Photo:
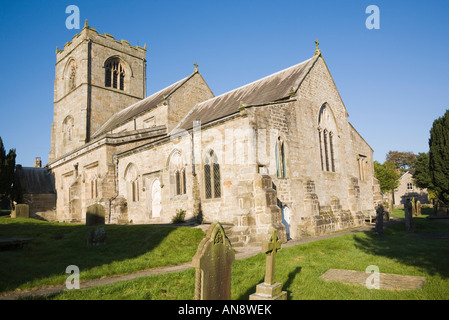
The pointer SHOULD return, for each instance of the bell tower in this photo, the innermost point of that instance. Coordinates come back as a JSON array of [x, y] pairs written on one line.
[[95, 77]]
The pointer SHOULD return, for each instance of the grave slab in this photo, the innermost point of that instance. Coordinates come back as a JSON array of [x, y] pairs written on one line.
[[388, 281]]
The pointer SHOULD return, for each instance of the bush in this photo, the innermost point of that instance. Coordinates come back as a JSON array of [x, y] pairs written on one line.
[[179, 216]]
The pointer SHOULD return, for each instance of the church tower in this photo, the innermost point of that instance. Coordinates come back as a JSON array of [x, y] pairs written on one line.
[[95, 77]]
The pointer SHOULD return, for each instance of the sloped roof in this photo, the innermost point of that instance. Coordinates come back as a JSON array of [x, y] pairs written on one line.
[[35, 180], [270, 89], [141, 106]]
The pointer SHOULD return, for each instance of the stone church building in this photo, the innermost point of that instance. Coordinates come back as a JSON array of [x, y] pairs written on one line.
[[278, 152]]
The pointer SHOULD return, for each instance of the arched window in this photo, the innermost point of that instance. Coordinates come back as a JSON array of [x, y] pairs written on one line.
[[132, 183], [212, 176], [70, 76], [67, 130], [178, 173], [280, 159], [114, 74], [326, 129]]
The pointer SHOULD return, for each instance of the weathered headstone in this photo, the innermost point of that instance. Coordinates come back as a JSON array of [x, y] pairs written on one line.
[[21, 211], [213, 263], [96, 237], [418, 208], [413, 207], [408, 217], [269, 289], [380, 220], [95, 215]]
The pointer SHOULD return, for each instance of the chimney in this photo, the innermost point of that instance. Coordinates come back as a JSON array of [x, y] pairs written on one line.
[[38, 162]]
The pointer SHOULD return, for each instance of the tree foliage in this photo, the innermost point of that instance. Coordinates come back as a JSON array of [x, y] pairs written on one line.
[[387, 174], [439, 157], [7, 166], [403, 161]]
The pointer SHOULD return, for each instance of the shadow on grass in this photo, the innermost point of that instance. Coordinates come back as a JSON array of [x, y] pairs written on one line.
[[429, 254], [54, 246]]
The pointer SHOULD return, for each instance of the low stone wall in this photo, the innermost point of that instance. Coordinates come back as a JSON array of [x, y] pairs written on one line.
[[327, 222]]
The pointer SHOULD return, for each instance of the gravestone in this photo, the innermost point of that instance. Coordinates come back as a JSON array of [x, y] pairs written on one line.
[[95, 215], [380, 220], [413, 207], [418, 208], [409, 226], [270, 289], [21, 211], [213, 263], [96, 237]]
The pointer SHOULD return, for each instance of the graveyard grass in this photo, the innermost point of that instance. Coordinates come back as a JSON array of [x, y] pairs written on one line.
[[298, 268]]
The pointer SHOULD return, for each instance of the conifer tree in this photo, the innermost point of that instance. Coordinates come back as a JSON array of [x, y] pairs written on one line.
[[439, 157], [7, 166]]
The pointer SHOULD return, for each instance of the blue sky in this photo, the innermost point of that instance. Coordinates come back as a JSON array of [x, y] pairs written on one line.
[[394, 81]]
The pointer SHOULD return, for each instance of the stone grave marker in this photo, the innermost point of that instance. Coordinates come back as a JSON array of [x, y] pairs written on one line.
[[95, 215], [380, 220], [409, 226], [213, 263], [269, 289], [21, 211], [418, 208]]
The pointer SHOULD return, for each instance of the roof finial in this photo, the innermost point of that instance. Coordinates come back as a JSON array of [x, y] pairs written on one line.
[[196, 67], [317, 49], [85, 24]]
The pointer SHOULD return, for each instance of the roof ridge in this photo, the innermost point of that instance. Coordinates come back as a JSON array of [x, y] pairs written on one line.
[[261, 79], [175, 86]]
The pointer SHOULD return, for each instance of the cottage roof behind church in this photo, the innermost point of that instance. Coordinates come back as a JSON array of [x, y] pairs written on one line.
[[141, 106], [272, 88], [34, 180]]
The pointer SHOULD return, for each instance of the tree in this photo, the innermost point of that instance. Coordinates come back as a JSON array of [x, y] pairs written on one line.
[[422, 177], [403, 161], [439, 157], [387, 174], [7, 166]]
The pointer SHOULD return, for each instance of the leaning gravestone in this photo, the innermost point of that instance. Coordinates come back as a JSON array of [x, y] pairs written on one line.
[[270, 289], [213, 263], [21, 211], [95, 215]]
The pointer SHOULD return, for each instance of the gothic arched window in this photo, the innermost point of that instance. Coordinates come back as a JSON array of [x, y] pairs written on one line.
[[212, 176], [132, 183], [326, 129], [67, 129], [114, 74], [281, 166], [178, 173]]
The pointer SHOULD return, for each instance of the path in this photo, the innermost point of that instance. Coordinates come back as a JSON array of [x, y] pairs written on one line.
[[242, 253]]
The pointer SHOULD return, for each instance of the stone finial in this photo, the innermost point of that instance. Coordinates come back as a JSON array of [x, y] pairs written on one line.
[[317, 49], [196, 67], [85, 24], [292, 93]]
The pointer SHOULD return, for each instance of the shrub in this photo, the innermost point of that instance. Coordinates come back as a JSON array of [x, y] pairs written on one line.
[[179, 216]]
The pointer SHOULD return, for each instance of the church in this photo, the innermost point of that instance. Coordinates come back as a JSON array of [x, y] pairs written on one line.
[[276, 153]]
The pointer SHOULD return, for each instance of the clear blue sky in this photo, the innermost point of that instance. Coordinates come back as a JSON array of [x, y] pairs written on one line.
[[394, 81]]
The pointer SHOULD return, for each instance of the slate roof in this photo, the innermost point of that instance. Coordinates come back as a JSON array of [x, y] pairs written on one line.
[[34, 180], [273, 88], [139, 107]]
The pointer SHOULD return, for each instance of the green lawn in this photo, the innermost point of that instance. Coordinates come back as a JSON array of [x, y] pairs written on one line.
[[298, 268], [55, 246]]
